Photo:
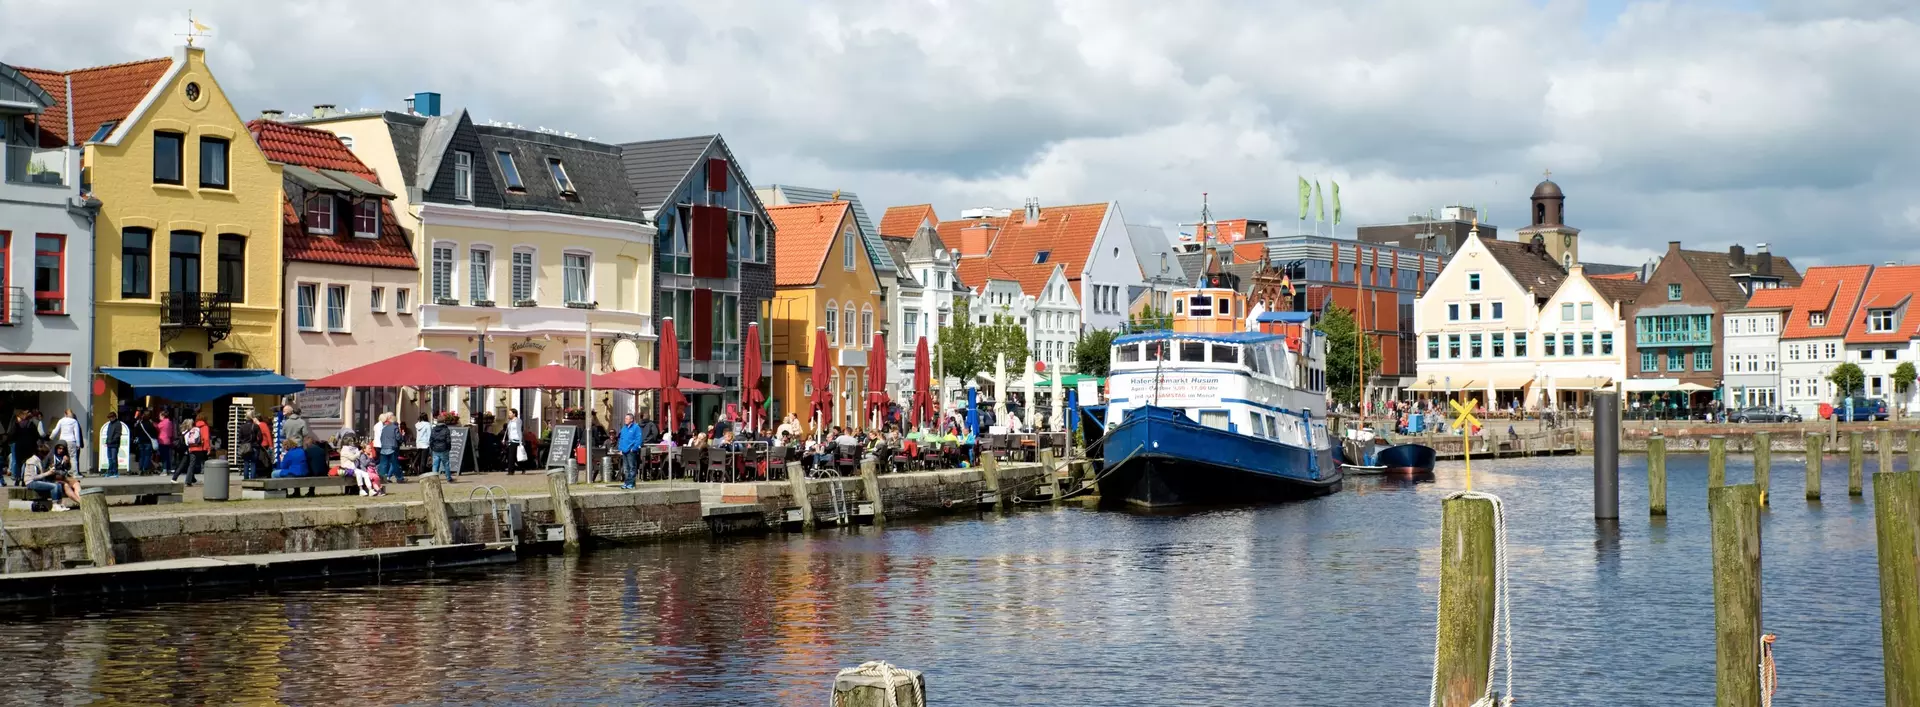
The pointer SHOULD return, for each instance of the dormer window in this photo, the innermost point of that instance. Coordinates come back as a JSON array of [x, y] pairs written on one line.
[[1880, 321], [320, 213], [366, 218], [1816, 319], [560, 179], [509, 170]]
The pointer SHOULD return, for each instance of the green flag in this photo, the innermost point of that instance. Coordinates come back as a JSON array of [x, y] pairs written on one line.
[[1306, 192], [1319, 203], [1336, 203]]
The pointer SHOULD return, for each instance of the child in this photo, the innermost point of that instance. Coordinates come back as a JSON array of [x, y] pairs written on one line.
[[353, 462]]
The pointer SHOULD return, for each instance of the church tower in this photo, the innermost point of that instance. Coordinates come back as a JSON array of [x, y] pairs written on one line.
[[1549, 222]]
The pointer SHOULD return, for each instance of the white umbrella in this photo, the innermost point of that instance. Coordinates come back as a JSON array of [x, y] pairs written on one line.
[[1000, 389], [1059, 405], [1031, 382]]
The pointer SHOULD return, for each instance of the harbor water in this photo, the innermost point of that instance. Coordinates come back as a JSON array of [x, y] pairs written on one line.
[[1321, 602]]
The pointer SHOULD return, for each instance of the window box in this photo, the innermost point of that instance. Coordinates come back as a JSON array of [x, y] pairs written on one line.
[[482, 303], [583, 305], [526, 303], [446, 301]]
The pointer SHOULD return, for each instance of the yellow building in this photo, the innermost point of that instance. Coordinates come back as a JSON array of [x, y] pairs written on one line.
[[822, 279], [187, 244]]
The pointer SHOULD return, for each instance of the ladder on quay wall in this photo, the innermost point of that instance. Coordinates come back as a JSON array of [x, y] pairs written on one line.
[[506, 519], [836, 495]]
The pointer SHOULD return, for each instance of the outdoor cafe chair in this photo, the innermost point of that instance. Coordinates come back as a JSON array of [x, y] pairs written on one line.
[[720, 464], [846, 459], [693, 463], [754, 460]]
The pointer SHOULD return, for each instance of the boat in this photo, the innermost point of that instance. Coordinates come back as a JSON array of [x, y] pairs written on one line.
[[1358, 448], [1406, 459], [1225, 406]]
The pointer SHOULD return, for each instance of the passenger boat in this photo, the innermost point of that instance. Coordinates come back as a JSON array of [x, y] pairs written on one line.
[[1224, 407]]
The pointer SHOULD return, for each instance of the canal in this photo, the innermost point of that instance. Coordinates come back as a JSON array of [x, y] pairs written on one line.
[[1324, 602]]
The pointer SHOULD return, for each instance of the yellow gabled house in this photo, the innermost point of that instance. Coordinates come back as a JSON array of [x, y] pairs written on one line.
[[188, 242], [822, 279]]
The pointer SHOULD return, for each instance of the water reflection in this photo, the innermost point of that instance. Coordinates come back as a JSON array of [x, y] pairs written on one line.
[[1327, 602]]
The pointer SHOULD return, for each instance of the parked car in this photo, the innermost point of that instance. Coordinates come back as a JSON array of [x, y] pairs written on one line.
[[1764, 414], [1864, 409]]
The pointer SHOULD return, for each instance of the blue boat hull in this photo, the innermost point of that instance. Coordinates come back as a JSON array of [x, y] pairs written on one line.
[[1157, 457], [1406, 459]]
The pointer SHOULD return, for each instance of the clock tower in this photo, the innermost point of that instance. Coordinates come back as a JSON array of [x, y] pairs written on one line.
[[1549, 222]]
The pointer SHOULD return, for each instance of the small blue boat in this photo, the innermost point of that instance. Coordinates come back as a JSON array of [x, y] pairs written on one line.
[[1217, 410]]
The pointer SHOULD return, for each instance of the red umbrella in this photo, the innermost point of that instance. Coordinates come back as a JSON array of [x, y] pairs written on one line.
[[877, 377], [750, 376], [822, 408], [923, 410], [672, 402], [552, 376], [637, 378], [418, 368]]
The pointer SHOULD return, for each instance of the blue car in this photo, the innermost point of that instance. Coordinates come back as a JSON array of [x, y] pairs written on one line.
[[1864, 409]]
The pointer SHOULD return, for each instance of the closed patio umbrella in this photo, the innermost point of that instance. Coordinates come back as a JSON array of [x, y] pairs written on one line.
[[672, 402], [822, 402]]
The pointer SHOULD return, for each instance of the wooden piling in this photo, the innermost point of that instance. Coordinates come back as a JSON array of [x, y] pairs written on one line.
[[1716, 461], [1466, 601], [870, 478], [1896, 516], [802, 494], [1883, 447], [1735, 513], [990, 477], [1763, 464], [1657, 475], [562, 497], [1856, 463], [1913, 450], [866, 686], [97, 525], [1816, 458], [1047, 467], [433, 495]]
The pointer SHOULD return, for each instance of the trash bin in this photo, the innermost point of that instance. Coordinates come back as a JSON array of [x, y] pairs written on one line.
[[214, 480]]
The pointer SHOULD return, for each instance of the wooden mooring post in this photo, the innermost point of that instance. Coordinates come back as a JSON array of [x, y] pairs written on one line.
[[870, 480], [1896, 516], [1913, 450], [1465, 645], [433, 495], [1883, 448], [868, 685], [1816, 456], [1856, 463], [96, 525], [1716, 461], [802, 494], [562, 497], [1657, 475], [1735, 513], [1763, 463]]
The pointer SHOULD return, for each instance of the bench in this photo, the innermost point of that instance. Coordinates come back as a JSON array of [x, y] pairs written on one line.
[[134, 490], [258, 489]]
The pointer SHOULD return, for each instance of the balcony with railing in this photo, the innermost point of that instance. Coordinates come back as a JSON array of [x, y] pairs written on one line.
[[26, 164], [209, 311], [1674, 330], [13, 306]]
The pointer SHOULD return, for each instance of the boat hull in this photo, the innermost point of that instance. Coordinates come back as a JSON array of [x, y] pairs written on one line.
[[1406, 459], [1158, 458]]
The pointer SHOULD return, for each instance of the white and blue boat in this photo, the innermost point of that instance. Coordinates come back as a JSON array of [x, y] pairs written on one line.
[[1222, 407]]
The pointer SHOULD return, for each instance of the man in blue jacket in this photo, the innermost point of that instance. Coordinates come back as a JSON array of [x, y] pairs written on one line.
[[632, 439]]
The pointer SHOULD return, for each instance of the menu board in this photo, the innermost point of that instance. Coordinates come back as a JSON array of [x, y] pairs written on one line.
[[561, 448], [460, 437]]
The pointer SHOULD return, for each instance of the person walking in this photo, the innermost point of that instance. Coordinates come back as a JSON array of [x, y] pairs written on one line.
[[422, 454], [112, 435], [25, 441], [632, 441], [388, 435], [169, 434], [516, 447], [294, 427], [440, 444], [142, 436], [198, 441]]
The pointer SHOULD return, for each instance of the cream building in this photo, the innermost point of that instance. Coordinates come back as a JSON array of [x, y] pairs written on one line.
[[1477, 323], [1580, 339]]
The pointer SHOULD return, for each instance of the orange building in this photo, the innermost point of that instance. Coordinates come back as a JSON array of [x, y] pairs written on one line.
[[822, 279]]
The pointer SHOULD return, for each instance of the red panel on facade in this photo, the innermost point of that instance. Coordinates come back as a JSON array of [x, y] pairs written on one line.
[[716, 175], [703, 324], [709, 241]]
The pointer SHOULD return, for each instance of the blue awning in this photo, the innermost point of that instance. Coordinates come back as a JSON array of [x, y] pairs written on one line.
[[199, 385]]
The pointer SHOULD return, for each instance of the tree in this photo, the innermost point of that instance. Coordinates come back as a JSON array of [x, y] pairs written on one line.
[[1093, 353], [967, 347], [1903, 376], [1847, 378], [1150, 319], [1343, 375], [1003, 336]]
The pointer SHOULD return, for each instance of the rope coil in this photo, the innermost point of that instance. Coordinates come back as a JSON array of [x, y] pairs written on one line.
[[1502, 616], [885, 672], [1769, 673]]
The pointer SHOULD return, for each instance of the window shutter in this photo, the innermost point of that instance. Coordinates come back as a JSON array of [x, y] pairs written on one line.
[[709, 241], [703, 324], [716, 175]]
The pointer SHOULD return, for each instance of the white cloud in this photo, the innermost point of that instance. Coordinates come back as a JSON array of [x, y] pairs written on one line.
[[1710, 123]]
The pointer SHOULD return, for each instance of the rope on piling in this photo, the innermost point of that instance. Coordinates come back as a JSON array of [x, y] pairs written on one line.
[[1502, 615], [1769, 673], [885, 671]]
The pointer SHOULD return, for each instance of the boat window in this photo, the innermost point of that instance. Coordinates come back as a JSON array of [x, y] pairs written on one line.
[[1127, 353], [1224, 305], [1226, 353], [1200, 306], [1193, 351], [1179, 306], [1156, 351], [1273, 427], [1257, 355], [1216, 419]]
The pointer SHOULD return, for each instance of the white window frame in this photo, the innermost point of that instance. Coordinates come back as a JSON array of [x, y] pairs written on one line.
[[866, 324], [433, 270], [484, 291], [1816, 319], [533, 274], [319, 202], [558, 170], [359, 204], [586, 291], [1874, 317], [306, 316], [847, 326], [403, 300], [462, 175], [377, 299], [832, 323], [846, 258], [346, 308]]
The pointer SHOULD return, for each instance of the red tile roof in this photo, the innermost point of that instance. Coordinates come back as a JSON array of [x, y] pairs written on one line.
[[1777, 298], [319, 149], [1633, 276], [803, 235], [1891, 287], [100, 93], [1065, 233], [1830, 289], [904, 221]]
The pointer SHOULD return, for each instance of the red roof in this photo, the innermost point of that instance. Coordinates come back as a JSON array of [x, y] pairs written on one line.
[[1892, 287], [1831, 290], [100, 93], [1064, 233], [803, 235], [1633, 276], [904, 221], [1777, 298], [319, 149]]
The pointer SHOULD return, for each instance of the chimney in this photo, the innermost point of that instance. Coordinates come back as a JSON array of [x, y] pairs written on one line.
[[1033, 211], [271, 114], [1765, 266], [1673, 246], [425, 103], [1737, 255], [322, 110], [975, 239], [409, 100]]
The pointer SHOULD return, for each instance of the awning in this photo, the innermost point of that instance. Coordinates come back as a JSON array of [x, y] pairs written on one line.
[[1581, 383], [1472, 384], [311, 179], [358, 185], [33, 382], [1650, 385], [199, 385], [1694, 388]]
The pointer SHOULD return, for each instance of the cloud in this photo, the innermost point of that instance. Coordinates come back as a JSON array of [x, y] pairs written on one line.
[[1712, 123]]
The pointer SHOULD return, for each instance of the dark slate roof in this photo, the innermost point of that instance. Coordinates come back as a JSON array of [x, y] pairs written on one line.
[[1149, 245], [1616, 290], [1716, 269], [1604, 269], [1191, 265], [655, 168], [599, 180], [922, 246], [405, 131], [897, 248], [1537, 272], [878, 254]]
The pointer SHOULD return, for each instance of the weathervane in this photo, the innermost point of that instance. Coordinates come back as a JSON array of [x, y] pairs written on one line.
[[195, 30]]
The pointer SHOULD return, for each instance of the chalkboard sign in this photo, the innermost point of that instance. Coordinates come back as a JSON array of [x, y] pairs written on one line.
[[560, 449], [460, 437]]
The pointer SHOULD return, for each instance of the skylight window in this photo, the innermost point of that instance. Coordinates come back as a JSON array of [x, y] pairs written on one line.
[[1041, 256], [507, 168], [106, 129], [560, 175]]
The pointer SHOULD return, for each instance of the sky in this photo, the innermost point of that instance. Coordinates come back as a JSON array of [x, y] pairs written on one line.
[[1710, 122]]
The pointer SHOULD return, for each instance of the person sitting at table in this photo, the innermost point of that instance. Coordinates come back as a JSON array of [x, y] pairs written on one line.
[[293, 461]]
